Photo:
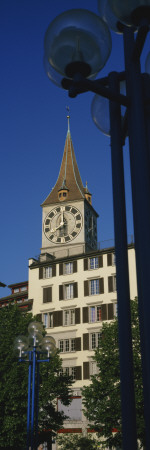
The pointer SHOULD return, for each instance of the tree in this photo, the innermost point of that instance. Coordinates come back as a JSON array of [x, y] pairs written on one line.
[[77, 442], [102, 398], [14, 384]]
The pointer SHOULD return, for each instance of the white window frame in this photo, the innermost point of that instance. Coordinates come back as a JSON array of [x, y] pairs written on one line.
[[66, 345], [45, 320], [68, 268], [47, 272], [114, 283], [94, 313], [71, 371], [113, 259], [68, 314], [68, 291], [51, 320], [95, 336], [94, 286], [48, 323], [93, 262], [94, 370], [116, 309]]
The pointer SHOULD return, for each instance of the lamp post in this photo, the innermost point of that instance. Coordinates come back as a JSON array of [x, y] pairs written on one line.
[[77, 45], [30, 350]]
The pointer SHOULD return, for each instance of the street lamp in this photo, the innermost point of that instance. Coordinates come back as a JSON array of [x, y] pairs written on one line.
[[67, 45], [30, 349]]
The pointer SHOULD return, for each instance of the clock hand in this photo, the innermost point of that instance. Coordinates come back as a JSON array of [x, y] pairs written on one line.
[[62, 217], [57, 228]]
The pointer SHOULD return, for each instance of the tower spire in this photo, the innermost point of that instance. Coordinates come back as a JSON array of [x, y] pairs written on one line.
[[69, 184]]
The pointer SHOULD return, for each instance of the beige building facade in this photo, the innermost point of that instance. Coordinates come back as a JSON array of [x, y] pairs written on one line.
[[73, 284]]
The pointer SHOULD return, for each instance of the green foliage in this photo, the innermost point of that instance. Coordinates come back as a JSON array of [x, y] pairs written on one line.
[[14, 384], [102, 398], [77, 442]]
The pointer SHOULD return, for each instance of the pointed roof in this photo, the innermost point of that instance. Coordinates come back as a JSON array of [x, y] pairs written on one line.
[[69, 176]]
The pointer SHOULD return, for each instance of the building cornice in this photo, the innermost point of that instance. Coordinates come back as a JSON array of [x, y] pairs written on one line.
[[89, 254]]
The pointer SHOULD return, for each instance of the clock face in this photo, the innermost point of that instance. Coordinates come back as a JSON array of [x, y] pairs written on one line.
[[62, 224], [90, 228]]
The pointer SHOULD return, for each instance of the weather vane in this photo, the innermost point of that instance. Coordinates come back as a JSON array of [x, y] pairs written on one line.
[[68, 116]]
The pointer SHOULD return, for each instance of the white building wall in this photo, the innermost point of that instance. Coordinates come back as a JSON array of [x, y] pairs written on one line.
[[77, 358], [36, 285]]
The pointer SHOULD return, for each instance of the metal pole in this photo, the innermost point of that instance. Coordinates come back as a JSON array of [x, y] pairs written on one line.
[[140, 179], [29, 399], [37, 404], [146, 90], [33, 395], [129, 439]]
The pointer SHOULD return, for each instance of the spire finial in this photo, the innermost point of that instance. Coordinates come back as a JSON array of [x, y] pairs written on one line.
[[68, 117]]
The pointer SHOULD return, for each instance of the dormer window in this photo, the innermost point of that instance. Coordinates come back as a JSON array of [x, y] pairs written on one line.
[[62, 194]]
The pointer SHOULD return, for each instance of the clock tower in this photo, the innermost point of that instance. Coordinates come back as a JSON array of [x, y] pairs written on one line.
[[69, 220]]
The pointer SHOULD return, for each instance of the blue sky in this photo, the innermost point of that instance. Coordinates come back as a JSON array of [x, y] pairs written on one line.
[[33, 128]]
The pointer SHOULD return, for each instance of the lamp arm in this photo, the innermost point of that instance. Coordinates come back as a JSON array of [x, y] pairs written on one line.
[[81, 84]]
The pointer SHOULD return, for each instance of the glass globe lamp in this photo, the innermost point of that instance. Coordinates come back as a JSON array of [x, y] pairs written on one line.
[[100, 111], [49, 346], [108, 16], [53, 76], [77, 41], [20, 344], [131, 12], [35, 340], [34, 328]]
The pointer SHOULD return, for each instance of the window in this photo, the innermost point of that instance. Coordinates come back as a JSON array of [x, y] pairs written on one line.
[[23, 288], [68, 268], [95, 314], [47, 272], [70, 371], [68, 291], [69, 317], [93, 368], [16, 290], [112, 283], [47, 319], [93, 263], [73, 372], [114, 259], [95, 340], [72, 343], [51, 320], [47, 294], [94, 287], [116, 309], [111, 259], [61, 346], [67, 345]]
